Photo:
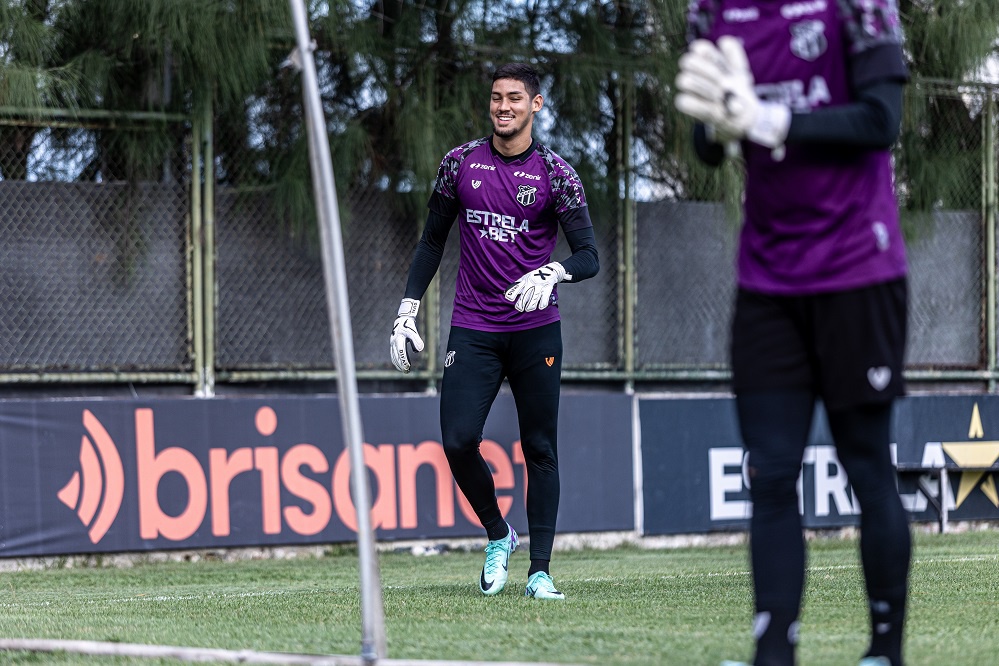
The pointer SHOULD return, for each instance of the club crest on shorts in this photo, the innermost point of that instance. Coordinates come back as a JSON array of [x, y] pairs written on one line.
[[449, 359], [526, 194], [549, 361], [879, 377]]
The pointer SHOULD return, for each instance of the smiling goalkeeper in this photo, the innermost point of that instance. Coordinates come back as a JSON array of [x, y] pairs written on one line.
[[510, 196]]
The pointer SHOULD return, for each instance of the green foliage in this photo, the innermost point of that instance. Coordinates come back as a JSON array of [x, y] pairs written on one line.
[[27, 40], [127, 55], [402, 82], [947, 39], [171, 55], [940, 155], [940, 152]]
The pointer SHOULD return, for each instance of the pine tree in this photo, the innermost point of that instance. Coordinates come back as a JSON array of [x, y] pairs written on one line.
[[940, 157], [403, 81]]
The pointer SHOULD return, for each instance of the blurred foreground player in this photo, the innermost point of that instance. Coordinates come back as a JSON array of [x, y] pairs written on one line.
[[810, 92]]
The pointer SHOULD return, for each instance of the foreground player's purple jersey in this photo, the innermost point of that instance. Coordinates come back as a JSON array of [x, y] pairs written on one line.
[[817, 218], [508, 219]]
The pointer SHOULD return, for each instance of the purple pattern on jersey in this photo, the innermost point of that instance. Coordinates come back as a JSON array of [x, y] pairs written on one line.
[[565, 182], [447, 174], [870, 23], [816, 218], [700, 18], [508, 220]]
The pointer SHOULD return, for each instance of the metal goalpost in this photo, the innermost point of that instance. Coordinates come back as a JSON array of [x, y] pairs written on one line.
[[373, 642]]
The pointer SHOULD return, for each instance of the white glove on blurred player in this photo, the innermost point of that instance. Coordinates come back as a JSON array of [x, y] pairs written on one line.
[[715, 86], [403, 333], [533, 291]]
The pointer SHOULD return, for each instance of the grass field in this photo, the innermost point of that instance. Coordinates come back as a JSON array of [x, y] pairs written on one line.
[[625, 606]]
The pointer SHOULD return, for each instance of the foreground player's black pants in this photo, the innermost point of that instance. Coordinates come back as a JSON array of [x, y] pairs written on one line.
[[475, 366], [775, 427]]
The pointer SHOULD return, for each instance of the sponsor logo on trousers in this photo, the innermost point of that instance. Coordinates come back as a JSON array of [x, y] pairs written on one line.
[[320, 486]]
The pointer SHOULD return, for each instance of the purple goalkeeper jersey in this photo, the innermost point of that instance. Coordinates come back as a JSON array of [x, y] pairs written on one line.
[[509, 213], [817, 218]]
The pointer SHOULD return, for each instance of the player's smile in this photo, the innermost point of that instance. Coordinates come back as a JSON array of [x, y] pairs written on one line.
[[505, 122]]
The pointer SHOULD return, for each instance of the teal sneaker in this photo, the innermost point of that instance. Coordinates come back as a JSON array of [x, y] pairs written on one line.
[[496, 569], [875, 661], [541, 586]]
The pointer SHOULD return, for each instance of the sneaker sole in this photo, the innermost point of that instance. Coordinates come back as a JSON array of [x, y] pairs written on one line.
[[531, 596]]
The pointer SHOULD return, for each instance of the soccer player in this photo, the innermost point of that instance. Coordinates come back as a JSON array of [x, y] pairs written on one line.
[[810, 92], [510, 194]]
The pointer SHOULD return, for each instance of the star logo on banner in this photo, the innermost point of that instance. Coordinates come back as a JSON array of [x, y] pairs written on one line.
[[974, 454]]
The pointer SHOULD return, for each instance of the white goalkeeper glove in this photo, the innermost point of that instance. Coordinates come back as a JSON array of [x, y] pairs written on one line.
[[715, 86], [533, 291], [403, 333]]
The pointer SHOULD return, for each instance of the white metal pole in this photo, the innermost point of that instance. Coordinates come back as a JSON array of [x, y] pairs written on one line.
[[373, 643]]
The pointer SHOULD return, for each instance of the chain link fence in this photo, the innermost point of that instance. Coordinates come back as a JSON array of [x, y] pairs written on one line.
[[95, 269], [100, 267]]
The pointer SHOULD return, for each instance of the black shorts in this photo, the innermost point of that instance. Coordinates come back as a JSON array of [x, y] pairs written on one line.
[[476, 364], [845, 346]]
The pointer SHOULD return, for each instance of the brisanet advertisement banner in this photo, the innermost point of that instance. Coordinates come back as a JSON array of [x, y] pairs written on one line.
[[694, 477], [88, 476]]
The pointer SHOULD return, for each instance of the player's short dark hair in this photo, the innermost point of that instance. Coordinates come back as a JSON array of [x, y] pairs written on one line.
[[522, 72]]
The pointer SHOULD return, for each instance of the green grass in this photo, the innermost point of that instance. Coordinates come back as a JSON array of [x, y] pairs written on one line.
[[625, 606]]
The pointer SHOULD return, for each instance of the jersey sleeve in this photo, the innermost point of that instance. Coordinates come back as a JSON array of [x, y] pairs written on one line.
[[871, 23], [700, 17], [444, 199], [442, 205], [428, 255], [584, 262], [874, 41], [569, 198], [447, 175], [567, 189]]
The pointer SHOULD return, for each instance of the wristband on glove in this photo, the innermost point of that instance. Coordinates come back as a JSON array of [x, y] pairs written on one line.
[[533, 291], [409, 307], [404, 334], [770, 125]]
